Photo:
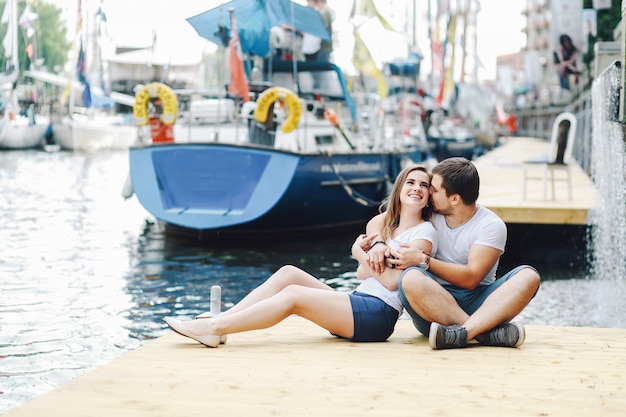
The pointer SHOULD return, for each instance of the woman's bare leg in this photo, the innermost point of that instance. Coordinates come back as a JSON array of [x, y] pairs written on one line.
[[329, 309], [287, 275]]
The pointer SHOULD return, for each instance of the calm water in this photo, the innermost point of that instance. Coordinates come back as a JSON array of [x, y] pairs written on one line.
[[87, 276]]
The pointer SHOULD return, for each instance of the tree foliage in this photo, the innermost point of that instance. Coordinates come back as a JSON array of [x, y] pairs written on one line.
[[607, 20], [49, 41]]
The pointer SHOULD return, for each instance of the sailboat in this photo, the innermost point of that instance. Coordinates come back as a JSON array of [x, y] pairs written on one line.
[[459, 124], [398, 88], [299, 155], [93, 125], [20, 128]]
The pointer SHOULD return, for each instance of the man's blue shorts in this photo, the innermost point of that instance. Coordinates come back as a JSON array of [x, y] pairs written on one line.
[[468, 300], [374, 320]]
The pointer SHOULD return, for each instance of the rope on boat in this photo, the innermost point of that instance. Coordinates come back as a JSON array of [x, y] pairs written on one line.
[[359, 198]]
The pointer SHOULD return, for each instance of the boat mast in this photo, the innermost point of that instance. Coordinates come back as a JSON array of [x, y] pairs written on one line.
[[414, 23], [475, 43], [76, 47], [465, 13], [14, 63], [14, 51]]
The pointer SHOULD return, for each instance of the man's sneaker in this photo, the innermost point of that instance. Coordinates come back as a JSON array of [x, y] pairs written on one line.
[[447, 337], [506, 335]]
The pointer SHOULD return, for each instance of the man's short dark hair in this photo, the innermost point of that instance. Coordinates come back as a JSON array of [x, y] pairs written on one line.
[[459, 176]]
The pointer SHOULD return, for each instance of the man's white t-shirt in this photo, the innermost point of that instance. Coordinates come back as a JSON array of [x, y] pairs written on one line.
[[484, 228]]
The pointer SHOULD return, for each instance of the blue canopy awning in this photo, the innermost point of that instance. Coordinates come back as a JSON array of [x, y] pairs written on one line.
[[254, 19]]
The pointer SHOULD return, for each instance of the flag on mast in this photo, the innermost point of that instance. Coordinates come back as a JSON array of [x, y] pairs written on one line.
[[448, 84], [79, 27], [363, 62], [80, 74], [238, 83], [368, 8]]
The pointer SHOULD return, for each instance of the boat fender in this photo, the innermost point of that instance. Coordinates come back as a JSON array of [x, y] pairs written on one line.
[[150, 92], [247, 109], [284, 95], [127, 188]]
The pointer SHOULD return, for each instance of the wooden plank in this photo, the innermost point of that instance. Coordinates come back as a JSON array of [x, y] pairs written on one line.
[[296, 368], [501, 175], [537, 215]]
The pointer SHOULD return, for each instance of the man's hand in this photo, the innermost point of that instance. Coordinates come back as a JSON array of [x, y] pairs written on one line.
[[365, 241], [406, 256]]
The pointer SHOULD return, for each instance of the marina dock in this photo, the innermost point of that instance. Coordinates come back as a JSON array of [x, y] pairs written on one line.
[[501, 177], [298, 369]]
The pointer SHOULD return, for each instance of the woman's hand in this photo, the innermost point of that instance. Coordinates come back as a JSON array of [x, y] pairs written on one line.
[[376, 257], [360, 251]]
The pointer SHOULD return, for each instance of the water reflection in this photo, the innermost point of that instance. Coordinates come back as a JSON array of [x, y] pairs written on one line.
[[174, 276], [87, 276], [64, 240]]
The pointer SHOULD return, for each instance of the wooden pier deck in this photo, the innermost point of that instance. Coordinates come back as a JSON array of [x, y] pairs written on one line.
[[501, 187], [298, 369]]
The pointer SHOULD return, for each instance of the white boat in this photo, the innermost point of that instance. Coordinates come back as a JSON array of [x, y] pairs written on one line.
[[19, 128], [82, 132], [90, 125], [22, 132], [91, 129]]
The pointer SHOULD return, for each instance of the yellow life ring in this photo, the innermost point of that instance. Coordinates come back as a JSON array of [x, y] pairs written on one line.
[[286, 96], [150, 92]]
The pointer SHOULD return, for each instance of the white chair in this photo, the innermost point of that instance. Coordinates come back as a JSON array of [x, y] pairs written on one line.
[[559, 158]]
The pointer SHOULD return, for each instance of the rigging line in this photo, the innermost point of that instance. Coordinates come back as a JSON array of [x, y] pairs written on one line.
[[359, 198], [294, 52]]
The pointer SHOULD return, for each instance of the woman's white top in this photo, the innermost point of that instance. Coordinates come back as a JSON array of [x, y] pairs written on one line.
[[372, 286]]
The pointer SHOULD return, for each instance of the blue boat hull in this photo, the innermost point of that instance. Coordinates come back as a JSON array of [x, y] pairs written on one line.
[[443, 148], [226, 190]]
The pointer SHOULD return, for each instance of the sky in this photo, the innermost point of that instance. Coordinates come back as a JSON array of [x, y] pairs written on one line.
[[498, 30], [500, 26], [132, 22]]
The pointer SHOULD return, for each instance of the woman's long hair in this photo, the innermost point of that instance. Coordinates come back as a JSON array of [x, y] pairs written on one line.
[[566, 42], [392, 204]]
